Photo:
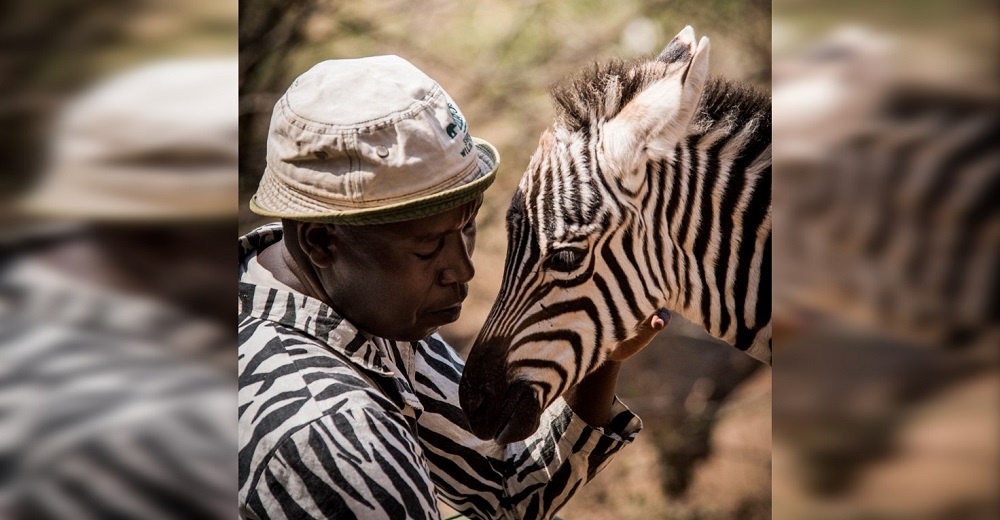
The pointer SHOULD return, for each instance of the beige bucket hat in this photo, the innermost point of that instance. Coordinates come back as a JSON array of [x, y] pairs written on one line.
[[369, 141], [154, 143]]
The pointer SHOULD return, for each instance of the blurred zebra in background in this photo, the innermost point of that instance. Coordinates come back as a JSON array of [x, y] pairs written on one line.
[[653, 190], [886, 204], [886, 266]]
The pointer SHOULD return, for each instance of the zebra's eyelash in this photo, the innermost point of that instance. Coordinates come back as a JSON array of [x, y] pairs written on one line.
[[581, 243], [566, 258]]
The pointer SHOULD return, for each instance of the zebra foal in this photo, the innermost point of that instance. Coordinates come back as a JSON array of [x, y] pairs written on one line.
[[652, 190]]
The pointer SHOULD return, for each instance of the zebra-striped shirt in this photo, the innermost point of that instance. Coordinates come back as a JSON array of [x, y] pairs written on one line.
[[336, 423], [108, 405]]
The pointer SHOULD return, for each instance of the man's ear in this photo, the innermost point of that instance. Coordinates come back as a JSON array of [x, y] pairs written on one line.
[[653, 122], [318, 241]]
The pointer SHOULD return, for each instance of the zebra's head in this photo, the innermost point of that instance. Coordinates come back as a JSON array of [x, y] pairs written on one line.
[[576, 238]]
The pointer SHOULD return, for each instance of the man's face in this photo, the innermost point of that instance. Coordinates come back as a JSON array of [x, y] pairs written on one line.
[[404, 280]]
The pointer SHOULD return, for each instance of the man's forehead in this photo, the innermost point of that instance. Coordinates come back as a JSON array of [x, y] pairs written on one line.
[[432, 227]]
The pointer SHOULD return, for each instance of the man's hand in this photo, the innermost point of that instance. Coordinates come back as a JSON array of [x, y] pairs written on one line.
[[591, 399], [644, 334]]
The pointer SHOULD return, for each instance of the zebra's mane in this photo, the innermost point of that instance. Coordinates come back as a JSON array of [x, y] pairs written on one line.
[[599, 92], [582, 99], [725, 99]]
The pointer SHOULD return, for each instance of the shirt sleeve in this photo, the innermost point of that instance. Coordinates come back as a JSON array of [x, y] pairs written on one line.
[[529, 479], [359, 462]]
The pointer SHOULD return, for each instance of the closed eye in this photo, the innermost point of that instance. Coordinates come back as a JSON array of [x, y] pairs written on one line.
[[432, 254], [468, 230]]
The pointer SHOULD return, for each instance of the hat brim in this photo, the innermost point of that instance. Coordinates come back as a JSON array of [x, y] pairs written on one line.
[[114, 193], [407, 210]]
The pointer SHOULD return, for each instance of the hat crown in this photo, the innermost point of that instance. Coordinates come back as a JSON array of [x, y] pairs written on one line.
[[364, 133], [359, 92]]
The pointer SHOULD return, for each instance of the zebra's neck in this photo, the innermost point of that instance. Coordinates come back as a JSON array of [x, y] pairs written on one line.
[[706, 216]]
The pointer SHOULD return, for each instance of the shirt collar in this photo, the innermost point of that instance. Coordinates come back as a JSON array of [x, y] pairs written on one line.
[[303, 313]]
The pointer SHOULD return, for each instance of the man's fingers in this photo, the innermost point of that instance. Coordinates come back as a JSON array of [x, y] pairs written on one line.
[[660, 319], [652, 325], [645, 332]]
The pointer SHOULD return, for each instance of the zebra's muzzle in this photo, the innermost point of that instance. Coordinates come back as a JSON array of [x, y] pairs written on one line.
[[497, 409], [510, 416], [523, 414]]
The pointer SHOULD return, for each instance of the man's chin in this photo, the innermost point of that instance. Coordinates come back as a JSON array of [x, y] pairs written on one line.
[[411, 336], [432, 323]]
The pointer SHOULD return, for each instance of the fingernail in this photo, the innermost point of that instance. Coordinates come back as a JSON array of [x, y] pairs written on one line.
[[660, 319]]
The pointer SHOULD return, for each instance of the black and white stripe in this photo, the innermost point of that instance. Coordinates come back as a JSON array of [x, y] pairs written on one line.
[[335, 423], [893, 226], [652, 190]]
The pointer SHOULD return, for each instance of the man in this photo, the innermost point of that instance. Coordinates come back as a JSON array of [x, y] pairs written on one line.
[[348, 399]]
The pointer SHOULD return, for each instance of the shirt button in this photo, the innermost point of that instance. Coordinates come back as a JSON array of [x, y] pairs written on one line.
[[382, 151]]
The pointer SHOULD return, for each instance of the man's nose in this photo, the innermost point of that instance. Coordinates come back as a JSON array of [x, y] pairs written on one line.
[[458, 267]]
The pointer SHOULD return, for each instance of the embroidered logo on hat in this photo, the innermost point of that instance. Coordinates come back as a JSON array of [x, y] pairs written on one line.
[[459, 125]]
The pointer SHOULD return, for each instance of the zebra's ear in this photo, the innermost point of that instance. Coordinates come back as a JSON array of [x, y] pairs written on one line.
[[653, 122]]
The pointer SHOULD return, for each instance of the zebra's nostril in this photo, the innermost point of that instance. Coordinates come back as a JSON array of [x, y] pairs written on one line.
[[474, 401], [474, 397]]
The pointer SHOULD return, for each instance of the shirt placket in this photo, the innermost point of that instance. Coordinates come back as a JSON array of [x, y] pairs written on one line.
[[399, 360]]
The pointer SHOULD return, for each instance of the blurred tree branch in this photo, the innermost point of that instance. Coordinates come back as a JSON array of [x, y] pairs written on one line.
[[270, 30]]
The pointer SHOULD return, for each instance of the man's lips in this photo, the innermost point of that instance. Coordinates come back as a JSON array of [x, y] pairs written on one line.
[[450, 307], [449, 313]]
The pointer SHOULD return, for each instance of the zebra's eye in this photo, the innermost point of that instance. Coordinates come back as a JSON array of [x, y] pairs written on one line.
[[565, 259]]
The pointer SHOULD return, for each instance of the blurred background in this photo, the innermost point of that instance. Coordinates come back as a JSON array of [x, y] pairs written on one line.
[[705, 450], [118, 139], [887, 248]]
